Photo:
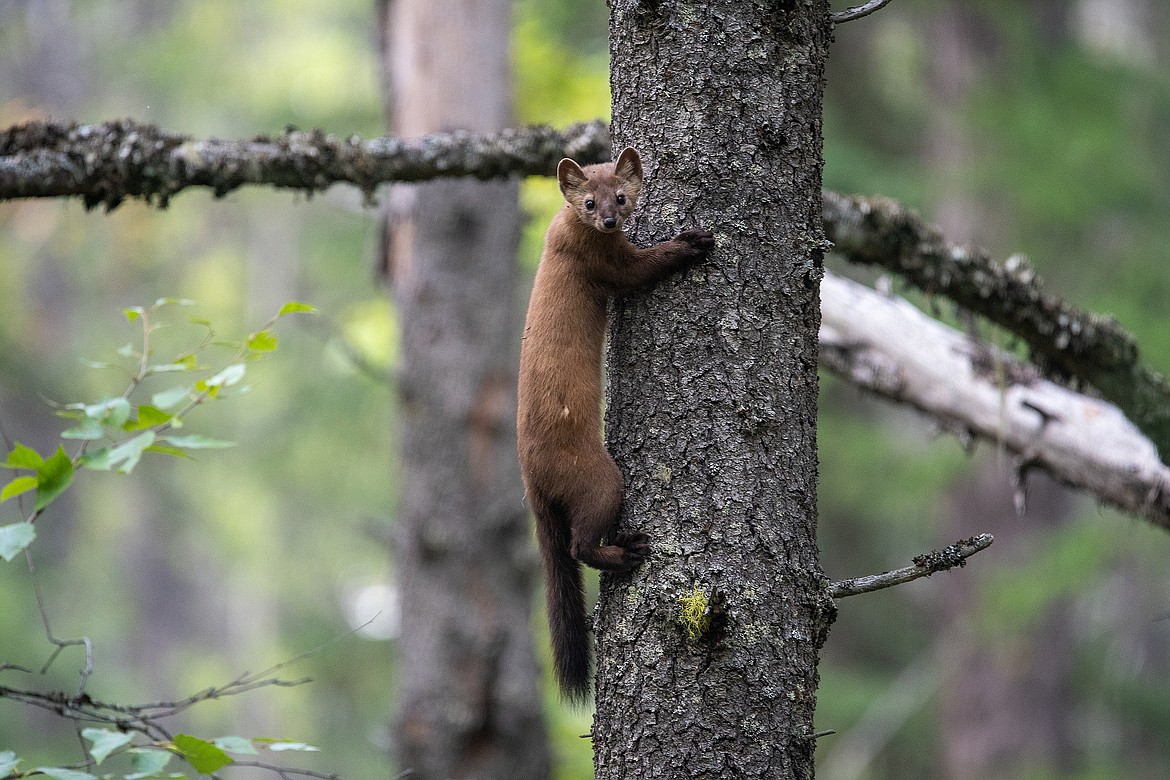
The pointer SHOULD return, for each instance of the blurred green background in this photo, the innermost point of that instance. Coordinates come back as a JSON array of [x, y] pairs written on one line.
[[1037, 127]]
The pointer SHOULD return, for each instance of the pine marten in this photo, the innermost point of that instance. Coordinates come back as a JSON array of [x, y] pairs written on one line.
[[572, 484]]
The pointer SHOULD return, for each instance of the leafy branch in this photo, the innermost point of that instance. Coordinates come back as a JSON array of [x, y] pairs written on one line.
[[114, 433], [138, 731]]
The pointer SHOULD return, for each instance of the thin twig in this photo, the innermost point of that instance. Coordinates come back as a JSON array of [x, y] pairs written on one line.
[[285, 771], [61, 644], [858, 11], [924, 566]]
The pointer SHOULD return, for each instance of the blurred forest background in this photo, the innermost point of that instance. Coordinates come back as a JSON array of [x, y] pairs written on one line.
[[1040, 127]]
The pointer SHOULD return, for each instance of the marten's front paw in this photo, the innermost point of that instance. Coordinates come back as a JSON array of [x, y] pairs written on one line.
[[698, 243], [636, 545]]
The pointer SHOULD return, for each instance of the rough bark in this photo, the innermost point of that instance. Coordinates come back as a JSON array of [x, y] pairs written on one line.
[[885, 345], [468, 699], [106, 163], [712, 401]]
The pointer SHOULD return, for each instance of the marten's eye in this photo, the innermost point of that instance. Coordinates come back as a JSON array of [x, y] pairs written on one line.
[[621, 199], [589, 204]]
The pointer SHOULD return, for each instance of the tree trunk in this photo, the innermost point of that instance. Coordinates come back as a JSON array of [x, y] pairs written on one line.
[[468, 699], [712, 400]]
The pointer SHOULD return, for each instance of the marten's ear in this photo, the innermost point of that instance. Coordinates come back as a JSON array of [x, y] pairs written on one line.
[[629, 166], [570, 176]]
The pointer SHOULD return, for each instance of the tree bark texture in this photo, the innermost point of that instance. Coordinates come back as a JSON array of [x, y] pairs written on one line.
[[106, 163], [468, 699], [712, 398], [885, 345], [1063, 339]]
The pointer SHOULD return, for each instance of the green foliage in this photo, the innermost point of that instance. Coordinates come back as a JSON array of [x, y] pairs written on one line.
[[151, 758], [61, 773], [204, 756], [14, 538], [111, 420], [105, 742], [147, 762]]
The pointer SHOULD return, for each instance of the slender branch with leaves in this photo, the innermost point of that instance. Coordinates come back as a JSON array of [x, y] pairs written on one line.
[[113, 434]]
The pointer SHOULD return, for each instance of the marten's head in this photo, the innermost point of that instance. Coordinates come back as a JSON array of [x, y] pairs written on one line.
[[602, 196]]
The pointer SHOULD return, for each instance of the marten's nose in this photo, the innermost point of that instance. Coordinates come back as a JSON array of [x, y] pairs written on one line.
[[609, 222]]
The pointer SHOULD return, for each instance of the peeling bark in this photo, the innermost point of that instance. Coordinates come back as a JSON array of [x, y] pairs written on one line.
[[887, 346], [1063, 339]]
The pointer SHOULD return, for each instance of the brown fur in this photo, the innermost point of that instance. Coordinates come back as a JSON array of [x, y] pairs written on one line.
[[573, 485]]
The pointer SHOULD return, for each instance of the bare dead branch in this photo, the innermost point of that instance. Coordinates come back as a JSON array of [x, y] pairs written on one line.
[[886, 345], [924, 566], [1070, 342], [858, 11], [106, 163]]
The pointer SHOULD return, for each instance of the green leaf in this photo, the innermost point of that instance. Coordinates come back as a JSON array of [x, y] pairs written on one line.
[[276, 747], [165, 450], [134, 312], [169, 399], [147, 763], [198, 442], [167, 368], [296, 307], [8, 763], [262, 341], [228, 377], [89, 430], [151, 417], [14, 538], [173, 302], [241, 745], [98, 363], [203, 756], [104, 742], [61, 773], [18, 486], [23, 457], [112, 412], [53, 477], [125, 456], [95, 460]]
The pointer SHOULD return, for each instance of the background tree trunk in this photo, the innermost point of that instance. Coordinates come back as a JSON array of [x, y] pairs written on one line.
[[713, 392], [469, 704]]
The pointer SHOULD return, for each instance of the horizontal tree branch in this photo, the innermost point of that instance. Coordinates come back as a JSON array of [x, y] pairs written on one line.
[[886, 345], [1089, 347], [924, 566], [106, 163]]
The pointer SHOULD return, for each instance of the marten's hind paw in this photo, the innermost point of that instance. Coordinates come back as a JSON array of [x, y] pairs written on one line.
[[636, 545]]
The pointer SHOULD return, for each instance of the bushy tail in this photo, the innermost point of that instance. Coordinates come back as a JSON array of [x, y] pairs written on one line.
[[565, 597]]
